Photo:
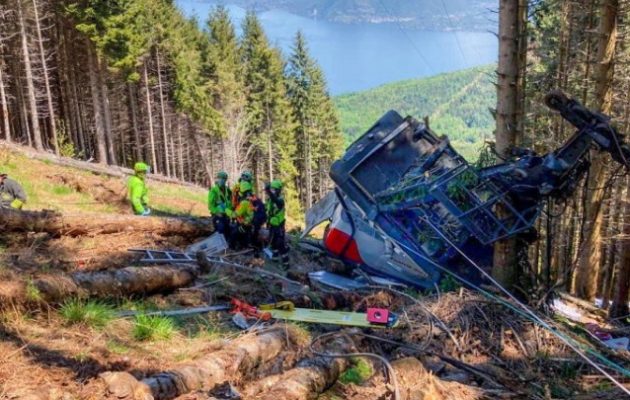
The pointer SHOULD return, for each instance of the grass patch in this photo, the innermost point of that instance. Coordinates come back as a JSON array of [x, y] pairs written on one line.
[[360, 371], [32, 292], [116, 347], [91, 313], [61, 190], [153, 328]]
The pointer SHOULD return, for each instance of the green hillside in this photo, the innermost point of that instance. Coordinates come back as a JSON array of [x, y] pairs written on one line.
[[458, 105]]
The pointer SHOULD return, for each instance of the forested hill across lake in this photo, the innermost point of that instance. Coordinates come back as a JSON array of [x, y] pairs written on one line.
[[445, 15], [458, 105]]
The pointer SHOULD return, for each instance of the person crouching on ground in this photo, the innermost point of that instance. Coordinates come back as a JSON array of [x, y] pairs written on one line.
[[11, 193], [220, 205], [276, 216], [138, 193]]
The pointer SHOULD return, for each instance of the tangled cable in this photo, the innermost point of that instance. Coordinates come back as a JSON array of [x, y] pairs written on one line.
[[390, 370]]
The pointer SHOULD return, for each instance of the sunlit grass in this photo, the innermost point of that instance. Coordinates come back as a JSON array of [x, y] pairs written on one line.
[[153, 328], [91, 313]]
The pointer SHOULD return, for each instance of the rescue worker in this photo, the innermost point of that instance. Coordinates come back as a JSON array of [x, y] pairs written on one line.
[[250, 216], [138, 194], [220, 205], [276, 216], [246, 176], [11, 193]]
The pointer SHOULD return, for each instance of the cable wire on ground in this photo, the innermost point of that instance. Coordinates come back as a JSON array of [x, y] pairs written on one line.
[[390, 370], [524, 310]]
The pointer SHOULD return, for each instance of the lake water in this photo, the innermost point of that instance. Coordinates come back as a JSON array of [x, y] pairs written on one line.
[[356, 57]]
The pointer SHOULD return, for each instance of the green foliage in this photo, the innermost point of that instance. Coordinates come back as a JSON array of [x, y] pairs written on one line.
[[153, 328], [457, 104], [360, 371], [91, 313], [449, 284], [64, 144], [32, 292], [318, 136]]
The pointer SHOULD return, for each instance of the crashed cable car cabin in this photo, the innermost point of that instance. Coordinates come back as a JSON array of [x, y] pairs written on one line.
[[408, 207]]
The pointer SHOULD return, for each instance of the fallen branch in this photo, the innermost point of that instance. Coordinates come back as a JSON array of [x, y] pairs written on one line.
[[228, 364], [83, 224], [100, 169], [208, 263]]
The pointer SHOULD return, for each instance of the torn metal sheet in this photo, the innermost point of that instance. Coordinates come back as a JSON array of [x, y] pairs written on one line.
[[342, 283]]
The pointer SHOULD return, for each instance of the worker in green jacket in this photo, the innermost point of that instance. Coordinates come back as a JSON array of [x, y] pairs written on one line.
[[220, 205], [138, 194], [243, 215], [250, 217], [276, 216], [246, 176], [11, 193]]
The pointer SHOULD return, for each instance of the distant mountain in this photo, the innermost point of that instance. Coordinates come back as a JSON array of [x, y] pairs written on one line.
[[457, 104], [472, 15]]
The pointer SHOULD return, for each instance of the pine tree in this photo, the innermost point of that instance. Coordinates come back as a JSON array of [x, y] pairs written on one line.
[[312, 110], [224, 70], [270, 125]]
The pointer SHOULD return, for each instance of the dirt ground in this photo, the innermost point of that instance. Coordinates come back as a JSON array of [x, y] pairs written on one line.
[[469, 347]]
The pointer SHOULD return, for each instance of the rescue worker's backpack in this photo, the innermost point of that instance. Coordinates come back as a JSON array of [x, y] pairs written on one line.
[[260, 215]]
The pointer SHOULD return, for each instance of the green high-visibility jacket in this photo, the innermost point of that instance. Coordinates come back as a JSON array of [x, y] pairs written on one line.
[[244, 212], [220, 200], [138, 194], [275, 210]]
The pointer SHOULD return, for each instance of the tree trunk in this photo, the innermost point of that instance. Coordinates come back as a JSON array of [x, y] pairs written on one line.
[[97, 107], [107, 115], [4, 109], [116, 283], [30, 86], [45, 71], [150, 119], [508, 124], [229, 364], [309, 378], [133, 107], [83, 224], [162, 112], [619, 307], [591, 250]]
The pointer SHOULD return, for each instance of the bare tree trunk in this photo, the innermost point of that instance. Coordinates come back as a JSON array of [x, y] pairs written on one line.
[[619, 307], [32, 101], [591, 251], [137, 151], [97, 106], [150, 119], [180, 148], [308, 169], [509, 106], [162, 112], [107, 116], [49, 101], [4, 108]]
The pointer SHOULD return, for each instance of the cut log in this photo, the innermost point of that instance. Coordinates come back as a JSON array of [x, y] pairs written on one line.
[[117, 283], [83, 224], [229, 364], [309, 378]]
